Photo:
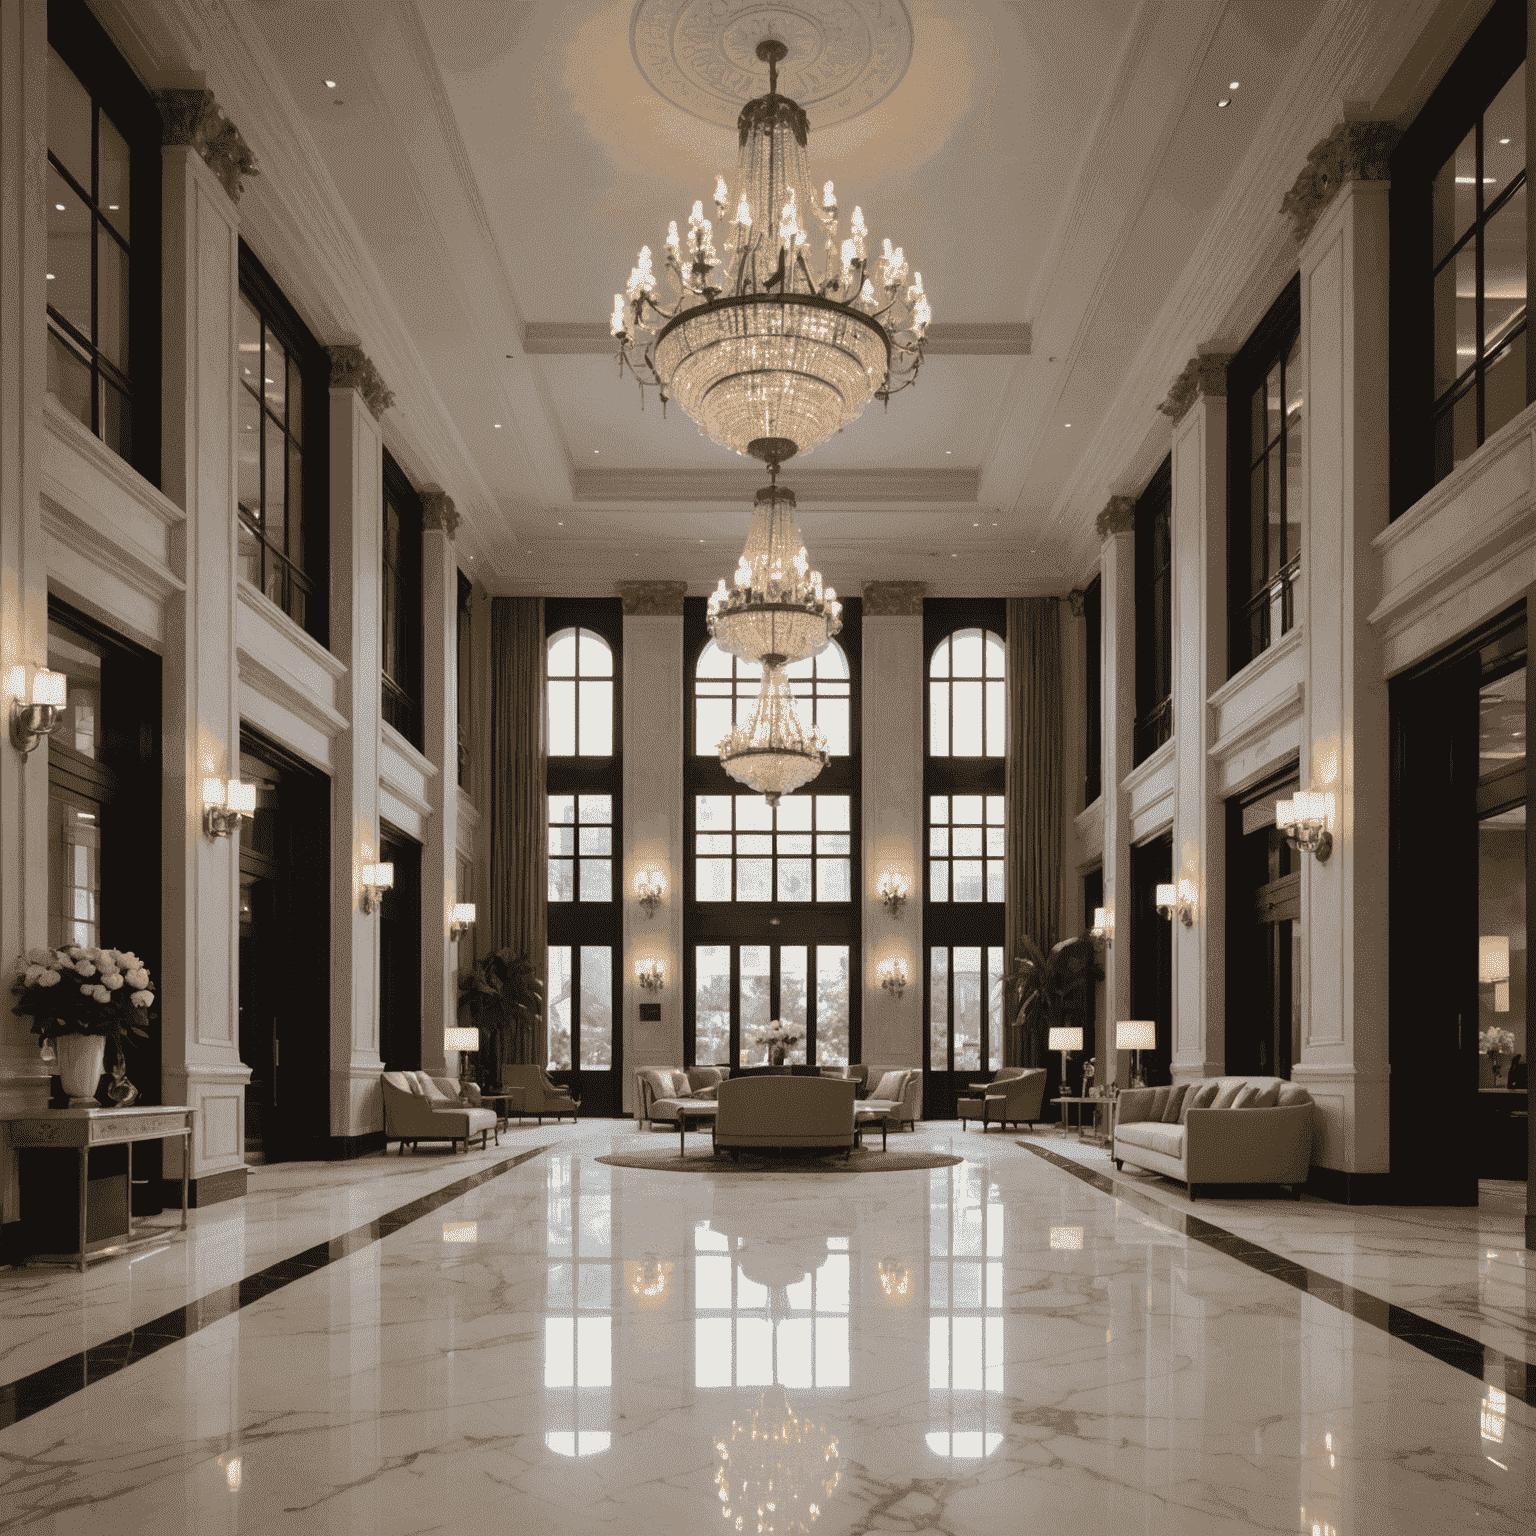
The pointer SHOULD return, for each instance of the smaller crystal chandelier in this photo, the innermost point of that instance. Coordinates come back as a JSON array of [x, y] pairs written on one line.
[[773, 753], [776, 1469]]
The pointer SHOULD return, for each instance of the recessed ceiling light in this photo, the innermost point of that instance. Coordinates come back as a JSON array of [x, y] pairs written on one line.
[[949, 450], [1503, 141], [50, 277], [498, 426], [975, 525], [1234, 85], [1226, 101], [59, 206], [111, 207], [597, 450], [330, 85], [1066, 423], [559, 525]]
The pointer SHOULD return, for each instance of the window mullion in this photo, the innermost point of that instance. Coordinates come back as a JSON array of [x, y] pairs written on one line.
[[1479, 360]]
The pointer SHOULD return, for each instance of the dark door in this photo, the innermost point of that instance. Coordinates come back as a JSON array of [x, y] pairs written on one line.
[[400, 957], [1152, 953]]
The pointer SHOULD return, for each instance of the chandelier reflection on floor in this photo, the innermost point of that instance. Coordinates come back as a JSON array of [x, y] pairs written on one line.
[[773, 339], [776, 1470]]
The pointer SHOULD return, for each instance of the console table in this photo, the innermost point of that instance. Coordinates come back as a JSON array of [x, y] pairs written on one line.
[[103, 1223]]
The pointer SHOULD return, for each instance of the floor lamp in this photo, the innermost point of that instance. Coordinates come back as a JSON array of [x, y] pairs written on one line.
[[1136, 1035], [1066, 1038]]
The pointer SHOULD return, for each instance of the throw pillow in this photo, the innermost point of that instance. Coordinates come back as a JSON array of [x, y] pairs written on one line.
[[1175, 1104], [1245, 1096], [1201, 1096], [681, 1087], [431, 1090], [1227, 1096], [1159, 1104], [1292, 1093], [1262, 1098], [890, 1087]]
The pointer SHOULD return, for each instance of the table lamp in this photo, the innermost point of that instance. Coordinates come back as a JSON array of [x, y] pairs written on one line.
[[463, 1041], [1136, 1035], [1066, 1038]]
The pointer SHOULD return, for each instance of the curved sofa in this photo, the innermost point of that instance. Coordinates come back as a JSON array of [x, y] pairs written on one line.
[[785, 1112]]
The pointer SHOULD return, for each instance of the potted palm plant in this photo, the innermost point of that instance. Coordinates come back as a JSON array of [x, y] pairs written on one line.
[[1046, 989], [504, 999]]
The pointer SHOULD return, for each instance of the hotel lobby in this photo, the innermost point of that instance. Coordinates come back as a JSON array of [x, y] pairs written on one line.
[[766, 764]]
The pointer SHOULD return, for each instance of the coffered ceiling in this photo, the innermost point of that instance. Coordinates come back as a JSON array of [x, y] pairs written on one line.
[[469, 194]]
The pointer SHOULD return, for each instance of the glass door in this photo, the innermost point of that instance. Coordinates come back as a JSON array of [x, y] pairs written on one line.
[[739, 989]]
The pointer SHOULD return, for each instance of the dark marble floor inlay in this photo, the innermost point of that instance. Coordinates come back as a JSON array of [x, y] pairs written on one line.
[[1480, 1361], [43, 1388]]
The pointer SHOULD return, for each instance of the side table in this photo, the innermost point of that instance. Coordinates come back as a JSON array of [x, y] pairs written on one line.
[[504, 1105]]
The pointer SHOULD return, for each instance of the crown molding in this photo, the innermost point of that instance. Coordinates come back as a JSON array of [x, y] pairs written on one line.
[[954, 338], [845, 487]]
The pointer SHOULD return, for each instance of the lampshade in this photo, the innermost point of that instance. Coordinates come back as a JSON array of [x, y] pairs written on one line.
[[461, 1039], [1135, 1035], [49, 688], [1493, 957], [1167, 895], [1066, 1037]]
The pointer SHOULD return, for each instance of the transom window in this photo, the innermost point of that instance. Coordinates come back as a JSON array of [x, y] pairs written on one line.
[[581, 847], [966, 705], [726, 689], [965, 847], [965, 1007], [580, 694], [745, 850]]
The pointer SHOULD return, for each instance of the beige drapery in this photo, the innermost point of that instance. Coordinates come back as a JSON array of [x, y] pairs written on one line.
[[1034, 800], [519, 814]]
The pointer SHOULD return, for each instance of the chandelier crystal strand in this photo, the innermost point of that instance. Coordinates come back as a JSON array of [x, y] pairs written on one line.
[[788, 329], [773, 753]]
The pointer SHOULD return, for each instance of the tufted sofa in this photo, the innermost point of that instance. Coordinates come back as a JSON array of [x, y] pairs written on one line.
[[420, 1108], [1228, 1130]]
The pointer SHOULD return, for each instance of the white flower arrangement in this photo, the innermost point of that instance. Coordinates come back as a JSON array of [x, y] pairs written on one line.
[[777, 1033], [99, 1002], [1494, 1041]]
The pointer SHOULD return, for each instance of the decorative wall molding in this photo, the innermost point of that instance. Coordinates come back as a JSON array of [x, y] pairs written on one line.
[[1352, 152], [854, 487], [652, 599], [1205, 374], [894, 599], [438, 511], [952, 338], [351, 369], [1118, 516], [194, 118]]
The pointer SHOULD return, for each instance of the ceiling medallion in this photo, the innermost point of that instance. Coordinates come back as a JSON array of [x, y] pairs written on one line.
[[773, 345]]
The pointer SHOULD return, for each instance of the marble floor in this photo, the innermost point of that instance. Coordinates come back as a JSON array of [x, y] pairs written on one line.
[[442, 1343]]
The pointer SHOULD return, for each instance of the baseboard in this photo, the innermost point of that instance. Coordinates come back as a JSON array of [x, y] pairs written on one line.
[[342, 1149], [1345, 1188], [210, 1189]]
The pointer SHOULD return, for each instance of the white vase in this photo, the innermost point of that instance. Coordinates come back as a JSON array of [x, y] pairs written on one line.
[[80, 1065]]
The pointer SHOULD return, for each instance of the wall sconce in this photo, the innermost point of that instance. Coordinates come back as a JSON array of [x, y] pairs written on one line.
[[894, 888], [462, 920], [227, 803], [1177, 901], [648, 1278], [41, 712], [1493, 968], [651, 974], [649, 889], [376, 879], [893, 975], [1136, 1035], [1304, 819], [1103, 931], [895, 1279]]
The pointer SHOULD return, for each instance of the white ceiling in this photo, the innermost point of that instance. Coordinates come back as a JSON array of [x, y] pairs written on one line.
[[1059, 172]]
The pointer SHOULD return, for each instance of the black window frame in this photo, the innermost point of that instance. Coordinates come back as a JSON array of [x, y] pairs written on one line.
[[1154, 622], [1093, 691], [1495, 50], [307, 568], [1250, 602], [401, 684], [84, 46], [464, 674]]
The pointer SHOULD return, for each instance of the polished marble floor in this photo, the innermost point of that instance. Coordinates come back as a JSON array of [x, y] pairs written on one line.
[[445, 1343]]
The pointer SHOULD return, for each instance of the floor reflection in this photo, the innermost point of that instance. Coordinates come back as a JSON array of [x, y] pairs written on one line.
[[776, 1470]]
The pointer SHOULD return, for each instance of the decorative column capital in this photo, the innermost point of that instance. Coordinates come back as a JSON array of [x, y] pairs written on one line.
[[1352, 152], [1205, 374], [894, 599], [438, 511], [1076, 598], [652, 599], [1118, 516], [352, 369], [194, 118]]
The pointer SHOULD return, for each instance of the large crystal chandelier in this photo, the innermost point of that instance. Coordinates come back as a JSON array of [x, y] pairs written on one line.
[[773, 753], [776, 610], [774, 344]]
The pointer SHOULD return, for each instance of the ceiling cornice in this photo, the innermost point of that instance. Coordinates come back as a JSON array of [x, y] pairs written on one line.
[[955, 338], [841, 487]]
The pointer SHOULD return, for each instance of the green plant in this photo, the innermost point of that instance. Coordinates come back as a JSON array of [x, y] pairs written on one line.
[[504, 999], [1049, 989]]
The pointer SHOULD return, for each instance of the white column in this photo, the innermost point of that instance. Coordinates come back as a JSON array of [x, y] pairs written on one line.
[[654, 820], [357, 472], [1117, 603], [199, 982], [1344, 749], [1200, 651], [893, 686]]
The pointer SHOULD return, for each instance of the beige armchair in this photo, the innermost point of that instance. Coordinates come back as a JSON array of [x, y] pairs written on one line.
[[911, 1102], [785, 1112], [542, 1095], [1015, 1094], [420, 1108]]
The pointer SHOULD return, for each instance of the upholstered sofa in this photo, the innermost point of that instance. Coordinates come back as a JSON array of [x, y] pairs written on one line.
[[660, 1090], [788, 1112], [421, 1108], [1015, 1094], [1212, 1134], [542, 1095]]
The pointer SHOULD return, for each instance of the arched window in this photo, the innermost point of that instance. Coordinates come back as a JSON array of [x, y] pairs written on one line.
[[726, 688], [580, 694], [966, 707]]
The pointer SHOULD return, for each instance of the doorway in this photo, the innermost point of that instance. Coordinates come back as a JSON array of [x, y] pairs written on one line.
[[400, 955], [1152, 953]]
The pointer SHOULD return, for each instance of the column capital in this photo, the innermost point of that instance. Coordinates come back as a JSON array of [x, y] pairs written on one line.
[[1118, 516], [438, 511], [1075, 600], [1354, 151], [894, 599], [195, 119], [1204, 374], [351, 368], [652, 599]]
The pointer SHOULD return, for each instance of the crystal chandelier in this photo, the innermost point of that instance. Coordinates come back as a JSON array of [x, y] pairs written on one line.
[[776, 1469], [773, 345], [777, 610], [773, 753]]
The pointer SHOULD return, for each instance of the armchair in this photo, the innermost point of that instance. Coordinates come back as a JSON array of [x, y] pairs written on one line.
[[420, 1108], [1014, 1094], [542, 1095]]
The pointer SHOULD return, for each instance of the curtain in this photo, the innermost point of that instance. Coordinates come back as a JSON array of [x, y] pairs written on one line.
[[519, 811], [1033, 792]]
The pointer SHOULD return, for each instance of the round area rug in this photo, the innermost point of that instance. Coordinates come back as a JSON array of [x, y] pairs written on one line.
[[861, 1160]]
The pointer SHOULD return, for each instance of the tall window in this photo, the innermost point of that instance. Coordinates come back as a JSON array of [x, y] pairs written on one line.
[[1093, 696], [585, 796], [401, 590], [963, 885], [463, 663], [280, 451], [1266, 489], [103, 208], [770, 916], [1154, 613]]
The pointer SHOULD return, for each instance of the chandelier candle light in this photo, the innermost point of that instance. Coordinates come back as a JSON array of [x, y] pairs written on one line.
[[782, 338]]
